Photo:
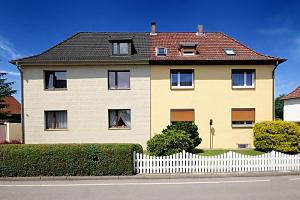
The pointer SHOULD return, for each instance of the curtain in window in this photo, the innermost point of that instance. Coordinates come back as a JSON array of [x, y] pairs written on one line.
[[125, 116], [51, 81], [112, 118], [49, 122], [61, 120]]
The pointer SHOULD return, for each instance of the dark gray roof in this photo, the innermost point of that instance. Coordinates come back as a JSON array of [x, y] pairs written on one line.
[[93, 47]]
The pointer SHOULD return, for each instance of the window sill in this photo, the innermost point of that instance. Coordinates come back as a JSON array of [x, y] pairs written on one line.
[[56, 89], [65, 129], [182, 88], [243, 87], [119, 128], [242, 125]]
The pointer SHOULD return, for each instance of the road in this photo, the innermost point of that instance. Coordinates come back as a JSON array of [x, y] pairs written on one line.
[[238, 188]]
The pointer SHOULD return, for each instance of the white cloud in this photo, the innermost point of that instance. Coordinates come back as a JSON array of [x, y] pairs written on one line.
[[7, 50], [10, 72]]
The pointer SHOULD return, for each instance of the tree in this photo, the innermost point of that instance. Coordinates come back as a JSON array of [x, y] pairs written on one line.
[[279, 107], [5, 90]]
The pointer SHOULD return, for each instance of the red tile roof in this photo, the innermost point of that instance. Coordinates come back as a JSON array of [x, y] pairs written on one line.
[[210, 47], [293, 95], [13, 106]]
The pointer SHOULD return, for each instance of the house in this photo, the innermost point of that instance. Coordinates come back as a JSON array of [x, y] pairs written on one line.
[[126, 87], [12, 110], [206, 77], [90, 88], [10, 125], [291, 106]]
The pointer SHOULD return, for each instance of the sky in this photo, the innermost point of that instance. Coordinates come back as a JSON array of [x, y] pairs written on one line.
[[269, 27]]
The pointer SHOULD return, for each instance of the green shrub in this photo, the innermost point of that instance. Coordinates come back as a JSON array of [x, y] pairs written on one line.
[[67, 159], [277, 135], [190, 129], [170, 142]]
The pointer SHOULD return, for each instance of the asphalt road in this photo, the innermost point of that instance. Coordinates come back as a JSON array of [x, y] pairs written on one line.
[[243, 188]]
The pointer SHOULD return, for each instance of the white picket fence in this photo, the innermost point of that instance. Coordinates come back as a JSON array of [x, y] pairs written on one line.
[[185, 162]]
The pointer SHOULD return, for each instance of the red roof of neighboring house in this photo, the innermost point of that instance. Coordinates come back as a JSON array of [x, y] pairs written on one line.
[[13, 106], [293, 95], [210, 47]]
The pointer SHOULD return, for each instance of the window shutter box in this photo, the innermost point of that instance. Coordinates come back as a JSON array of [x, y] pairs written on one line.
[[182, 115], [243, 114]]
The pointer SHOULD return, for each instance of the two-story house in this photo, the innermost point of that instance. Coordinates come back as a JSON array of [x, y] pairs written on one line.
[[212, 80], [126, 87], [90, 88]]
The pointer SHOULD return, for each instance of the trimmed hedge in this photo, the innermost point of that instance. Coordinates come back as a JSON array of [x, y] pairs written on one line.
[[67, 159], [277, 135]]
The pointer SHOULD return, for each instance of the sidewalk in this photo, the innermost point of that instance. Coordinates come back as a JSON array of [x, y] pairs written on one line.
[[152, 176]]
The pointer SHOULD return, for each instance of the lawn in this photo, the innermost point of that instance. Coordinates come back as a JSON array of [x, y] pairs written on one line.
[[214, 152]]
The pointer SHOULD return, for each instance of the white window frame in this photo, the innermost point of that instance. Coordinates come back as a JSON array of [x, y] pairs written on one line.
[[229, 52], [165, 51], [245, 81], [244, 125], [182, 87]]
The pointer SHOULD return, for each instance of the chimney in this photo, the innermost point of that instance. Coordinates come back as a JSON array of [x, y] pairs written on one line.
[[153, 28], [199, 30]]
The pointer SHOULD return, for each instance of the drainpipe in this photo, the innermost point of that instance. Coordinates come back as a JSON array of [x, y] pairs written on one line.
[[273, 98], [22, 103]]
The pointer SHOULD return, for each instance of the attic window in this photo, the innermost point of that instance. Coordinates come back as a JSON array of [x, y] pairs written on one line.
[[120, 48], [160, 51], [229, 52], [188, 48]]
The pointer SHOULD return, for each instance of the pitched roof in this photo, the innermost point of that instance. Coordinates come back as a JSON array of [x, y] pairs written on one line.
[[210, 47], [293, 95], [13, 106], [92, 47]]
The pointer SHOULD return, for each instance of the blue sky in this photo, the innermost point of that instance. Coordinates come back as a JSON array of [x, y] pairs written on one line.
[[270, 27]]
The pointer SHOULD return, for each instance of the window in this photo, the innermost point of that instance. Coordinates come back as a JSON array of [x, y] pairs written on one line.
[[120, 48], [55, 79], [56, 119], [188, 51], [182, 115], [182, 78], [160, 51], [119, 118], [229, 52], [243, 117], [119, 79], [243, 78]]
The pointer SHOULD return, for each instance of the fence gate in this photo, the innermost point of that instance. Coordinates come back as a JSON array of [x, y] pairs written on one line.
[[3, 130], [185, 162]]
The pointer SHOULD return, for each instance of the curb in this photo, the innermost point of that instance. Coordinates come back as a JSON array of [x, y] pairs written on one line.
[[152, 176]]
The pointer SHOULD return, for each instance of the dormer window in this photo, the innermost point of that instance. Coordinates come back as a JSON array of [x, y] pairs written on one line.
[[120, 48], [188, 48], [161, 51], [229, 52]]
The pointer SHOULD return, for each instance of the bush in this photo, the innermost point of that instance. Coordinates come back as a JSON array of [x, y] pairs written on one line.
[[170, 142], [67, 159], [190, 129], [277, 135]]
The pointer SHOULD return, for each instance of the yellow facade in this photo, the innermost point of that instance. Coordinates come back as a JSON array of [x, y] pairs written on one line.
[[212, 98]]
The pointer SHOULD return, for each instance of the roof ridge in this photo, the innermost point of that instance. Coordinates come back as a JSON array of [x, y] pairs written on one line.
[[47, 50], [235, 40], [290, 95]]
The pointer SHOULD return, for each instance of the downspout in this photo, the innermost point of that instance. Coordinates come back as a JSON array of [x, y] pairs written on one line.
[[273, 98], [22, 103]]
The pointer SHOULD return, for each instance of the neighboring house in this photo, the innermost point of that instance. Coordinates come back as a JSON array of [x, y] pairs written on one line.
[[10, 126], [291, 106], [12, 110], [126, 87]]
